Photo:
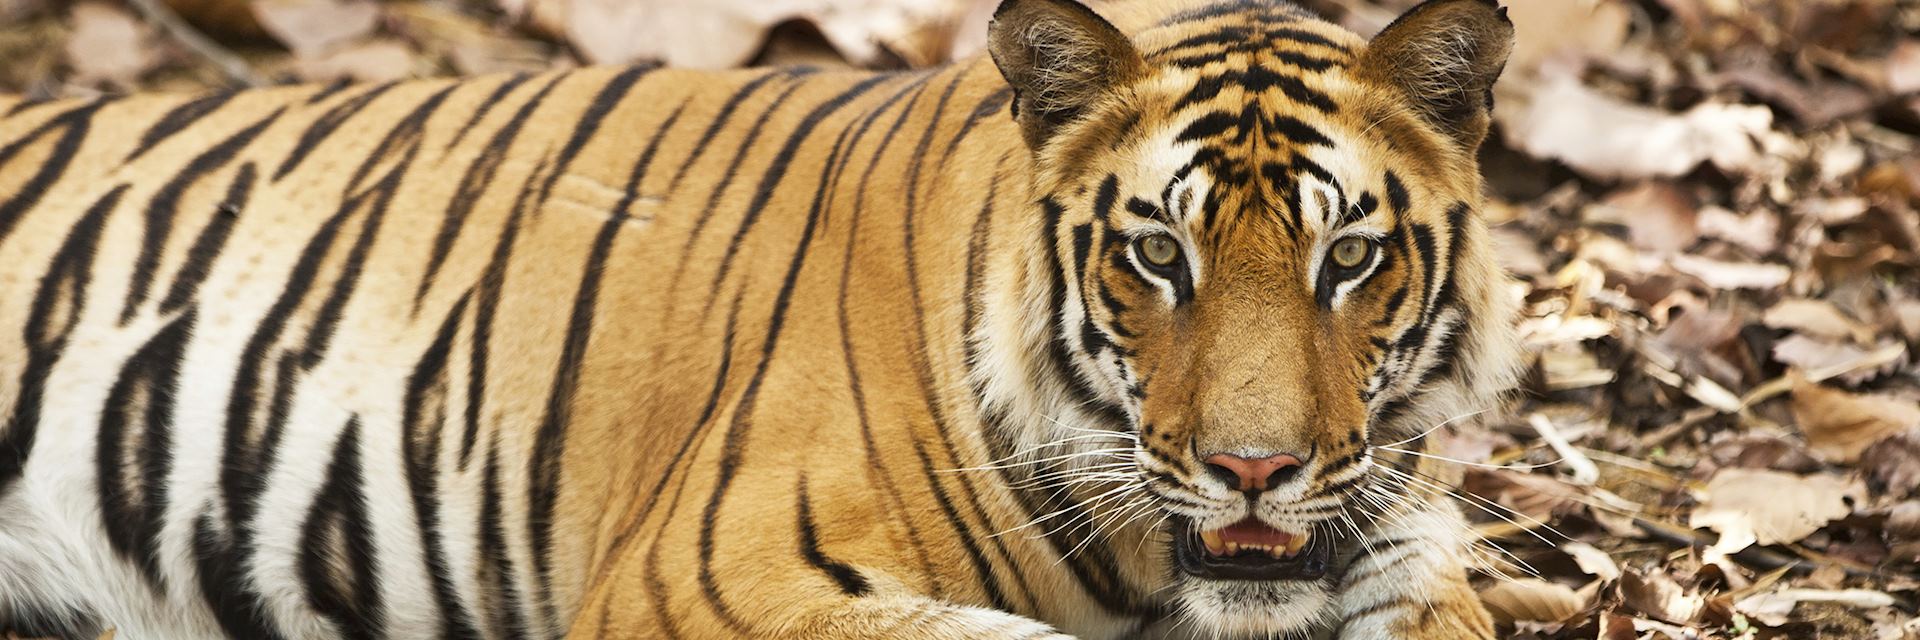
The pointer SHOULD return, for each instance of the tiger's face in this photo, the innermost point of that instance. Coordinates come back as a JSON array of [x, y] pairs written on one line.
[[1270, 272]]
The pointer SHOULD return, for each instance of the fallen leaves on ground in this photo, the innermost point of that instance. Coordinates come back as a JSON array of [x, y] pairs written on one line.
[[1749, 506]]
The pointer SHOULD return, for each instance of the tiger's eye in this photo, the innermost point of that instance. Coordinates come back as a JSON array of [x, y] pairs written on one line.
[[1350, 252], [1159, 250]]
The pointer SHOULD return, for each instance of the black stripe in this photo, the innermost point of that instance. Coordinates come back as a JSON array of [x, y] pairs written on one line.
[[1362, 207], [1256, 80], [994, 103], [656, 588], [324, 126], [62, 292], [133, 450], [632, 191], [721, 119], [876, 466], [492, 281], [1424, 251], [588, 123], [1210, 124], [734, 442], [177, 120], [473, 184], [402, 135], [212, 239], [423, 421], [486, 106], [224, 583], [1298, 131], [329, 90], [776, 170], [1269, 12], [549, 445], [165, 207], [1397, 193], [747, 143], [1456, 242], [989, 580], [336, 557], [73, 126], [501, 601], [922, 370], [247, 459], [850, 581]]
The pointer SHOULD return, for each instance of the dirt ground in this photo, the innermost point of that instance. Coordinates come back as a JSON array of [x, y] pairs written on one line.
[[1709, 206]]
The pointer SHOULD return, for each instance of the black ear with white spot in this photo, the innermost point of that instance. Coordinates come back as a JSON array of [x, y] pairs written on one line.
[[1060, 57], [1444, 55]]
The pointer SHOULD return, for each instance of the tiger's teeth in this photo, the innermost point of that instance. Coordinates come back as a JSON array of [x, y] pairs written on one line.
[[1294, 545], [1212, 540]]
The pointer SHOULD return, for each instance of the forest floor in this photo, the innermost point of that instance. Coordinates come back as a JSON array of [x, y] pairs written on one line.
[[1710, 207]]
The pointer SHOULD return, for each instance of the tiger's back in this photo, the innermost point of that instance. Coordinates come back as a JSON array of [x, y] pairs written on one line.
[[342, 334]]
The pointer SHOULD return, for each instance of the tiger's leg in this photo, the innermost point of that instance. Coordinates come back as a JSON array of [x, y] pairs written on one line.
[[1409, 580], [799, 607]]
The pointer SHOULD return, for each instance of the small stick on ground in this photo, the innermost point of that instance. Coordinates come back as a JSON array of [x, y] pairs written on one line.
[[229, 64], [1583, 471]]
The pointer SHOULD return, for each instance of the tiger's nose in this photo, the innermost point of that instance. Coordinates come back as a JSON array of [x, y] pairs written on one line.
[[1253, 474]]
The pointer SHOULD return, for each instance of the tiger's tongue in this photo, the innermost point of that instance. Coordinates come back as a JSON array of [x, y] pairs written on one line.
[[1253, 532], [1252, 535]]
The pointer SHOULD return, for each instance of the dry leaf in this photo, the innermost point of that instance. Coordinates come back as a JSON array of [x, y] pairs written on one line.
[[1855, 364], [1531, 600], [1892, 465], [109, 45], [1839, 425], [1816, 317], [1903, 520], [1592, 560], [1568, 28], [1719, 274], [1762, 451], [1604, 137], [312, 27], [1907, 314], [1749, 506], [376, 61], [725, 33], [1903, 67], [1533, 498], [223, 18], [1655, 594], [1659, 217], [1772, 608], [1758, 230]]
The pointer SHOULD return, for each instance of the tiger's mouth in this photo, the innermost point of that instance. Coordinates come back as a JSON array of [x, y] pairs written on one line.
[[1250, 550]]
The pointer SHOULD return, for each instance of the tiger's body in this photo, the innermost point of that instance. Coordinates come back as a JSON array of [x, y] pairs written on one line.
[[645, 352]]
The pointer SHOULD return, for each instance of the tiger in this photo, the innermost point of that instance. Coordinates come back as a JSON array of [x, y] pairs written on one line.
[[1134, 326]]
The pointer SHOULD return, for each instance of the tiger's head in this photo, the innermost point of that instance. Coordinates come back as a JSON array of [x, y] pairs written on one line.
[[1263, 270]]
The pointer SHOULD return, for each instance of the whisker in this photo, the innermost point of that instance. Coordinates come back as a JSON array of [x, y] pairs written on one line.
[[1483, 465], [1437, 427]]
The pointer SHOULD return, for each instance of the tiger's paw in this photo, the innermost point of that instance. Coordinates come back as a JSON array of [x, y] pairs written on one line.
[[918, 618]]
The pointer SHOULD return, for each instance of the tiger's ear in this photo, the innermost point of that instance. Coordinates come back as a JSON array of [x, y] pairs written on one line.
[[1060, 57], [1444, 55]]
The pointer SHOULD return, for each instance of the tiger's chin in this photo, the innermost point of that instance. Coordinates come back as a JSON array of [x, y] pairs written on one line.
[[1254, 609], [1251, 580]]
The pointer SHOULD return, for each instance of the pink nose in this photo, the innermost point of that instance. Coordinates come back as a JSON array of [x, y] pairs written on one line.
[[1256, 474]]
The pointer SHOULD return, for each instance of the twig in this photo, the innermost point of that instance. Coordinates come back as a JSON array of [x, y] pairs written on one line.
[[235, 69], [1754, 556], [1767, 390], [1584, 473]]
